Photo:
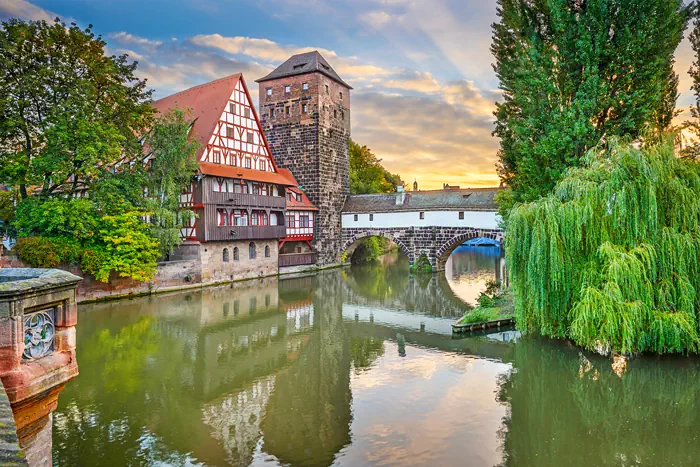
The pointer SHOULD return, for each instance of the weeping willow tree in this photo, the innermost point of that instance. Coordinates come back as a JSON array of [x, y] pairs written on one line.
[[610, 259]]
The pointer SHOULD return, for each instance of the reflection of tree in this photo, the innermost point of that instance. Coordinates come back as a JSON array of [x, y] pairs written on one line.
[[381, 281], [365, 350], [566, 409], [308, 415]]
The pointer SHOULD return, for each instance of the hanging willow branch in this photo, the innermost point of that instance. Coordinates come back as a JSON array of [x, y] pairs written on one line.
[[611, 258]]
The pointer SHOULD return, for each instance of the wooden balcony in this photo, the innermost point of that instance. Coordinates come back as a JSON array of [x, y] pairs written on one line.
[[245, 200], [259, 232], [297, 259]]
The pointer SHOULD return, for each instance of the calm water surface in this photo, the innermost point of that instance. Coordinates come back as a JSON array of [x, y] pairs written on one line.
[[357, 367]]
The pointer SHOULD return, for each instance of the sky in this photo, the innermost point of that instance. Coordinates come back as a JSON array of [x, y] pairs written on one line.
[[424, 87]]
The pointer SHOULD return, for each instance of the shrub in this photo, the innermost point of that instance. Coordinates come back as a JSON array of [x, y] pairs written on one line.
[[44, 252]]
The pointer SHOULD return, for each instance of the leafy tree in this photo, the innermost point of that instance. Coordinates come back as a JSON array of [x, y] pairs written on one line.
[[693, 149], [575, 73], [67, 111], [367, 174], [173, 156], [610, 258]]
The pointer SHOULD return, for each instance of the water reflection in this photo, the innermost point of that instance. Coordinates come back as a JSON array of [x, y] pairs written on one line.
[[470, 267], [354, 367]]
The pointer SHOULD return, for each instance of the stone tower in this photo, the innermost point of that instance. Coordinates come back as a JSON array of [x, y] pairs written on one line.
[[305, 114]]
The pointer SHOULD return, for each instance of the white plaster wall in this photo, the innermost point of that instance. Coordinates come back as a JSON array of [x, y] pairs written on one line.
[[475, 219]]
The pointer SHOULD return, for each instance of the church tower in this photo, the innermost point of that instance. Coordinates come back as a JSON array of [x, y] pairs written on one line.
[[305, 114]]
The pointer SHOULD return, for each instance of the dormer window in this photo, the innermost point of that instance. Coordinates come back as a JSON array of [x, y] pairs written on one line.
[[299, 197], [269, 91]]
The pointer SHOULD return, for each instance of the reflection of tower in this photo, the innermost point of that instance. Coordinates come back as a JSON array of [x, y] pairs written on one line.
[[308, 417]]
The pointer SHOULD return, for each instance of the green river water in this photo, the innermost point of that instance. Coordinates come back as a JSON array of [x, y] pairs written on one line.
[[358, 367]]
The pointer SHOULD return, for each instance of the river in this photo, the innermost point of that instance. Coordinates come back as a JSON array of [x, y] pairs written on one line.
[[357, 367]]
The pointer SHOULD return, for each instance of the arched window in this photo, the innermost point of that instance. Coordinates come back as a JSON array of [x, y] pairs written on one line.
[[235, 254], [225, 255], [251, 250], [267, 251]]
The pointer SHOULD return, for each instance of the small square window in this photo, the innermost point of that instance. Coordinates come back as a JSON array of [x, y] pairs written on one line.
[[327, 91], [303, 108], [287, 89], [461, 215], [305, 86], [247, 112], [250, 137], [422, 215], [371, 217], [269, 91], [230, 132], [355, 217], [232, 108]]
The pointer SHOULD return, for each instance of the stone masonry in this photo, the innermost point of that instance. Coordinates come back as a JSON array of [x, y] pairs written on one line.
[[436, 243], [308, 132]]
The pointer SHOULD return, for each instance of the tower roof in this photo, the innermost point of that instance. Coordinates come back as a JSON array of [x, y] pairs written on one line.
[[301, 64]]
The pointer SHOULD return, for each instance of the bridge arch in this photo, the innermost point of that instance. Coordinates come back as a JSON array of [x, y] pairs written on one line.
[[448, 246], [351, 244]]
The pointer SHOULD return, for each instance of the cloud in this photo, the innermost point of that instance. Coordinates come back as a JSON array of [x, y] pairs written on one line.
[[376, 19], [410, 80], [24, 10], [126, 38]]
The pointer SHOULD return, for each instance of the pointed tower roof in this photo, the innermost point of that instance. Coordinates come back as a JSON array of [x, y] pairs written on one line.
[[301, 64]]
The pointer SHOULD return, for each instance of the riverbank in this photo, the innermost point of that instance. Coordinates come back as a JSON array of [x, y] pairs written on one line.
[[493, 311]]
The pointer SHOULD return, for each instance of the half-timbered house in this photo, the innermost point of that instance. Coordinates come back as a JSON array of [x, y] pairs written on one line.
[[239, 195]]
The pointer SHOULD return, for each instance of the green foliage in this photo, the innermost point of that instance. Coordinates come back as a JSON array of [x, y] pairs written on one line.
[[574, 74], [67, 111], [481, 314], [367, 174], [422, 264], [57, 217], [693, 125], [610, 258], [173, 166], [42, 252]]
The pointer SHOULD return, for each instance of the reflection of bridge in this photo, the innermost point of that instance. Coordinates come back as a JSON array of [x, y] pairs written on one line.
[[429, 223]]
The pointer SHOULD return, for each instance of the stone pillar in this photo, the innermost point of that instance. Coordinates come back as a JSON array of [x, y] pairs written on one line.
[[38, 313]]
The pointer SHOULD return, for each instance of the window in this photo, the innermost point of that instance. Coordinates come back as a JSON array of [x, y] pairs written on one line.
[[305, 86], [355, 217], [298, 249], [269, 91], [263, 165], [217, 157], [222, 218], [272, 113], [327, 89], [461, 215], [225, 255], [267, 296], [247, 162], [251, 250], [250, 137], [371, 217], [341, 95], [267, 255], [254, 219], [335, 113], [287, 109], [422, 215], [299, 197], [290, 221], [230, 132], [303, 108], [263, 218], [304, 220], [342, 115], [233, 160], [235, 254], [247, 112], [287, 89], [240, 218], [232, 108]]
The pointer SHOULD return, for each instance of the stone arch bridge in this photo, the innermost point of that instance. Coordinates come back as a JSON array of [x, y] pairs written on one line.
[[431, 223]]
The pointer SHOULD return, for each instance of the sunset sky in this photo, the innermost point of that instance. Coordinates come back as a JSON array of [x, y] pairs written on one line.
[[424, 87]]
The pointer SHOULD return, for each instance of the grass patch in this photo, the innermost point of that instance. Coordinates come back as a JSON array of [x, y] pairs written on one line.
[[494, 304]]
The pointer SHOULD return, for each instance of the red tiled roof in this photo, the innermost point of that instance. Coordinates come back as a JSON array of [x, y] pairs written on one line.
[[247, 174], [206, 103], [305, 204]]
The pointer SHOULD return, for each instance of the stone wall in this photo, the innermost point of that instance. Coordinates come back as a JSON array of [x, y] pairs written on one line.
[[436, 243], [313, 145], [214, 269]]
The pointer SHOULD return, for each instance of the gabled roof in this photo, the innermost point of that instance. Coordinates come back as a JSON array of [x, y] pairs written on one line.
[[305, 204], [301, 64], [206, 102], [468, 199], [218, 170]]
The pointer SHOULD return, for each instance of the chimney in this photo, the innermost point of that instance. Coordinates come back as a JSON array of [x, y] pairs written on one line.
[[400, 194]]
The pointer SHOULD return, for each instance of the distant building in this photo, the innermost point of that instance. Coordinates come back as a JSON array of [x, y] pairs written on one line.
[[446, 186], [415, 185], [305, 112]]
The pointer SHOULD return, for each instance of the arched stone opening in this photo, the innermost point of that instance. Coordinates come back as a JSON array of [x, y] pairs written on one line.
[[446, 249], [350, 245]]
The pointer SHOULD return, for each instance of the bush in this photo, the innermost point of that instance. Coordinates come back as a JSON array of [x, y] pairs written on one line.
[[43, 252], [56, 217], [422, 264]]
